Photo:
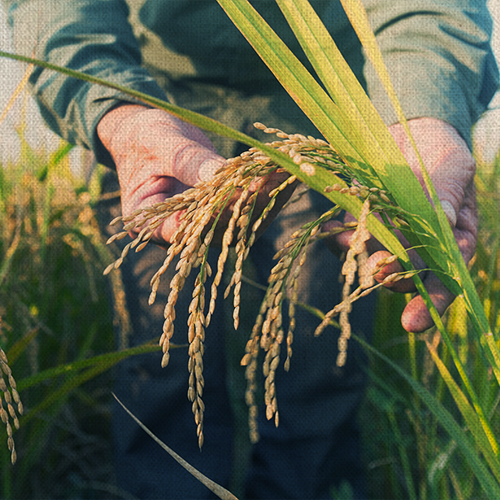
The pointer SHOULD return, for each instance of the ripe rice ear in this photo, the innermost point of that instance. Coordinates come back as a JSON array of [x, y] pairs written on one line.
[[10, 400]]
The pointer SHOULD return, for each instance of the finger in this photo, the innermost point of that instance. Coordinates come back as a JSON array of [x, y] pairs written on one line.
[[154, 190], [416, 317], [209, 167], [191, 163], [382, 265], [185, 149], [338, 243], [466, 228]]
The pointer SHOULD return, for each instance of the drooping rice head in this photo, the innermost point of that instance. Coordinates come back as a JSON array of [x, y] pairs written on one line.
[[200, 209], [10, 403]]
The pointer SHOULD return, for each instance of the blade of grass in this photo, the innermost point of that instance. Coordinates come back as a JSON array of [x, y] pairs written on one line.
[[211, 485], [20, 345], [189, 116], [55, 159], [458, 363], [17, 92], [484, 476], [294, 77], [373, 136], [403, 455], [9, 254], [319, 182], [485, 440], [108, 359], [92, 368]]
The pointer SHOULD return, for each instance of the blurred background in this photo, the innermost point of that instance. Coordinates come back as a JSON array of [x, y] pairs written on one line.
[[56, 326]]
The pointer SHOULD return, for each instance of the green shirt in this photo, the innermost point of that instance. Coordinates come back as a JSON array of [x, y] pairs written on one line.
[[437, 52]]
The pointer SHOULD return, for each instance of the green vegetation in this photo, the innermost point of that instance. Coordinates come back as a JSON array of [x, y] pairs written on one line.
[[56, 317], [430, 417], [409, 451]]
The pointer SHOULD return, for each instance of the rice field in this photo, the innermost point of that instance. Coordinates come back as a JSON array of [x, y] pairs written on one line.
[[430, 418], [48, 322]]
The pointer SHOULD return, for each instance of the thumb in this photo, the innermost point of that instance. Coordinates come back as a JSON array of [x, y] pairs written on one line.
[[451, 175], [209, 167], [187, 160], [175, 148]]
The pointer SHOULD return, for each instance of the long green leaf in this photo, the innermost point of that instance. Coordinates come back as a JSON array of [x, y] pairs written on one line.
[[108, 359], [319, 182], [373, 138], [359, 20], [484, 476], [484, 438], [294, 77]]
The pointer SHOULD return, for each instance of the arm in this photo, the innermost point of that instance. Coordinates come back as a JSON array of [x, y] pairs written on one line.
[[92, 36], [439, 56]]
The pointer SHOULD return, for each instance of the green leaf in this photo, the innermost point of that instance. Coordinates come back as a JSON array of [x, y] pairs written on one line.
[[108, 360], [484, 476], [479, 428], [211, 485]]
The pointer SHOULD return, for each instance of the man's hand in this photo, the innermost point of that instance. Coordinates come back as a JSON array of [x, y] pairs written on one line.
[[451, 168], [158, 155]]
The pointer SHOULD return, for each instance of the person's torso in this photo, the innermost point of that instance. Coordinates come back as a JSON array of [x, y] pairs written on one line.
[[196, 38]]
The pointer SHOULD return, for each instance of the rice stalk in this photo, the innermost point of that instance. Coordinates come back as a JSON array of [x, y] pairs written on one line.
[[201, 209]]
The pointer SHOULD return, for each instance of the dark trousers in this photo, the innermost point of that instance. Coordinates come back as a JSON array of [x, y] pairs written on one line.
[[317, 443]]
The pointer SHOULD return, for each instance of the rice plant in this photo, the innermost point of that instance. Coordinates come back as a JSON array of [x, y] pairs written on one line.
[[47, 228], [201, 208], [405, 430], [55, 323], [10, 396], [359, 168]]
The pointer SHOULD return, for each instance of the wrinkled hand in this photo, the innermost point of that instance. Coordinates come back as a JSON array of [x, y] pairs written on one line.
[[451, 168], [157, 156]]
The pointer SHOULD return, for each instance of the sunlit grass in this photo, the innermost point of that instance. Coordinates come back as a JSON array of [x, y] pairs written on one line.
[[55, 317], [437, 420]]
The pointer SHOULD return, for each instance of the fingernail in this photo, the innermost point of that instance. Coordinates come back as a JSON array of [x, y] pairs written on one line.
[[208, 168], [450, 213]]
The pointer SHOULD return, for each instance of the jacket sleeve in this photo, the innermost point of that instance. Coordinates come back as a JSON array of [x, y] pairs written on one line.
[[93, 36], [439, 57]]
